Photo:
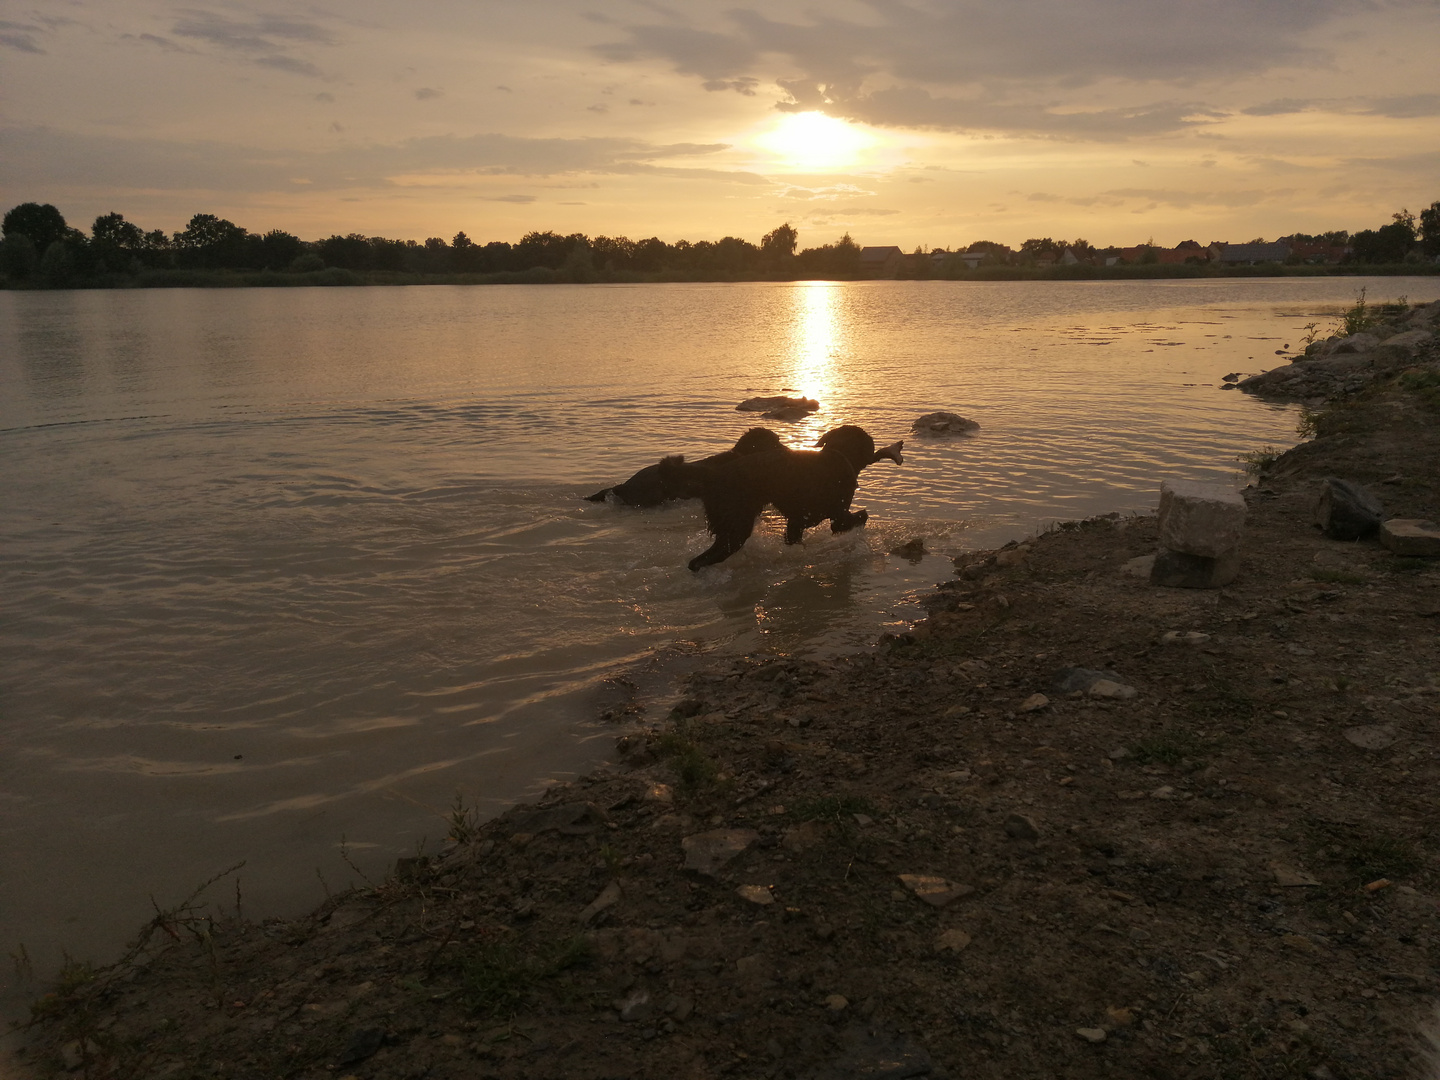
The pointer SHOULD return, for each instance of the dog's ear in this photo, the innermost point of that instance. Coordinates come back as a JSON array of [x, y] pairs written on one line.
[[892, 452]]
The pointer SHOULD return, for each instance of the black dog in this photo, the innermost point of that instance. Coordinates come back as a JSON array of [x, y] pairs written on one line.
[[806, 486], [648, 488]]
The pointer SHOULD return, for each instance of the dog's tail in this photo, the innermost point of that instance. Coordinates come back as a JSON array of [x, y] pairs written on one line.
[[599, 496]]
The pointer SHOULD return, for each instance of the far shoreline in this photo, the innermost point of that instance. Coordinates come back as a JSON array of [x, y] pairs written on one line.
[[332, 277]]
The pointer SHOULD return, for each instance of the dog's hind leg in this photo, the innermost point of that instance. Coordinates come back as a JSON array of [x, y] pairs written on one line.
[[718, 552], [847, 520]]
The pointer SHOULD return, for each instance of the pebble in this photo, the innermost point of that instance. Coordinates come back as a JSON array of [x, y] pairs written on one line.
[[837, 1003], [935, 891], [952, 941], [1371, 736], [707, 852], [1034, 703], [636, 1008], [1020, 827], [1091, 1035], [1107, 688], [1188, 637], [756, 894]]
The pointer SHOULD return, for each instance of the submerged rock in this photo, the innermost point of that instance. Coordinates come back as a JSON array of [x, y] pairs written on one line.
[[944, 423]]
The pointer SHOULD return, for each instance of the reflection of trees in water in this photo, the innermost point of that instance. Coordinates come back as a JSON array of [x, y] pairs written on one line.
[[51, 347]]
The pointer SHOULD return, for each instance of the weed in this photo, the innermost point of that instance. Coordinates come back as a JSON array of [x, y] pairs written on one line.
[[1336, 577], [1168, 747], [1311, 333], [695, 769], [497, 976], [464, 821], [611, 858], [1356, 318], [1368, 854], [1259, 461], [836, 809]]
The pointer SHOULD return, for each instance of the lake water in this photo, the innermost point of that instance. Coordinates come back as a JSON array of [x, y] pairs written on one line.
[[285, 570]]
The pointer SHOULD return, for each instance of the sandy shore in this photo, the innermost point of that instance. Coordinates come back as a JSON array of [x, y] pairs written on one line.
[[927, 860]]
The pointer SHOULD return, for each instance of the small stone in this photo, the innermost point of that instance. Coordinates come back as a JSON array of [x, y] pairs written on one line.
[[1299, 943], [609, 897], [806, 835], [756, 894], [636, 1008], [1165, 792], [1069, 680], [1034, 703], [1377, 885], [706, 853], [659, 793], [1108, 688], [837, 1003], [1188, 637], [1371, 736], [1411, 537], [679, 1007], [935, 891], [1020, 827], [952, 941], [1141, 566], [1289, 878], [1120, 1017], [1091, 1035]]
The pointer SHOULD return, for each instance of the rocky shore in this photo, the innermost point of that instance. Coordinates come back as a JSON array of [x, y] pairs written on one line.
[[1073, 824]]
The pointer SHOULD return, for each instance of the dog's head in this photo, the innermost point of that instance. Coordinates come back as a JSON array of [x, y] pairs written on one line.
[[857, 447], [756, 441]]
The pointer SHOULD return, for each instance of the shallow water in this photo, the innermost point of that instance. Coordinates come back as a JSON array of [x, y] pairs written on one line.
[[285, 570]]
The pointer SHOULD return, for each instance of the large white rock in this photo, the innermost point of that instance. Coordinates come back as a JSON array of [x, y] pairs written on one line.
[[1200, 519], [1411, 537]]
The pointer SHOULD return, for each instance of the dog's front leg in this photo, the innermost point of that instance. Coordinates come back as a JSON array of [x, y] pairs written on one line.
[[847, 520], [795, 530]]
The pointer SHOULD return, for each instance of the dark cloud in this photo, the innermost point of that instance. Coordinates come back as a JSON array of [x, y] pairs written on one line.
[[262, 39], [916, 108], [426, 93], [880, 69], [1395, 107], [43, 157], [20, 37], [522, 199]]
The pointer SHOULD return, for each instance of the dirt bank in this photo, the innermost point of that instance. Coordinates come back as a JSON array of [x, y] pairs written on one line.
[[906, 864]]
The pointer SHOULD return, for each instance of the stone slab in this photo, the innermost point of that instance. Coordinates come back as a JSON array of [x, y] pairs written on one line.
[[1200, 519], [1411, 537], [1181, 570]]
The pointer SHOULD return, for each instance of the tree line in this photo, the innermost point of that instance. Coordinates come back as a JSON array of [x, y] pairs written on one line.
[[40, 249]]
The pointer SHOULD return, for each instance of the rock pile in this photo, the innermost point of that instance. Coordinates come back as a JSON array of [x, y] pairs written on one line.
[[1344, 364], [1200, 531]]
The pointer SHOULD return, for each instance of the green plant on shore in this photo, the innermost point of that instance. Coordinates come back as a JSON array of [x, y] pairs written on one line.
[[1168, 747], [463, 821], [1259, 461], [835, 809], [693, 767], [497, 976], [1357, 318]]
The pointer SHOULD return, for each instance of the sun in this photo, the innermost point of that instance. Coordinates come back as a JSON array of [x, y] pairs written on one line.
[[812, 140]]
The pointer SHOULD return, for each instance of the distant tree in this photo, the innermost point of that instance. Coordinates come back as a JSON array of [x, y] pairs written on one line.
[[41, 222], [1387, 244], [18, 258], [280, 249], [778, 245], [211, 242], [115, 242], [349, 252], [57, 268], [1430, 230]]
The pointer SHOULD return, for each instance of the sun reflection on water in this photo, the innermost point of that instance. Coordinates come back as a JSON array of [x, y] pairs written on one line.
[[815, 341]]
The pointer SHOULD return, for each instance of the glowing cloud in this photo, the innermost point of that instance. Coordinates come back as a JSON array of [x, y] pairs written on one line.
[[812, 141]]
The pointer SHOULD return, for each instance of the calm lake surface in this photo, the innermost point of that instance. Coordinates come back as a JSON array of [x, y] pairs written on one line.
[[285, 570]]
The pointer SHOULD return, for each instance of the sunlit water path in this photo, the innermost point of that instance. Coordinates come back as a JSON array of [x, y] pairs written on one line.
[[288, 569]]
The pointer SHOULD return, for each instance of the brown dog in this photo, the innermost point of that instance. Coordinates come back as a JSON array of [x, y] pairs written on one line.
[[806, 486]]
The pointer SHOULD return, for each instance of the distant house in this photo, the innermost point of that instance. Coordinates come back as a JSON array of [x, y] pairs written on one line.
[[1069, 258], [1249, 254], [881, 261], [1319, 253], [972, 259]]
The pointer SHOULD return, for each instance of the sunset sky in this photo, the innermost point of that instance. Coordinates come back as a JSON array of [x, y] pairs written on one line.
[[934, 122]]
